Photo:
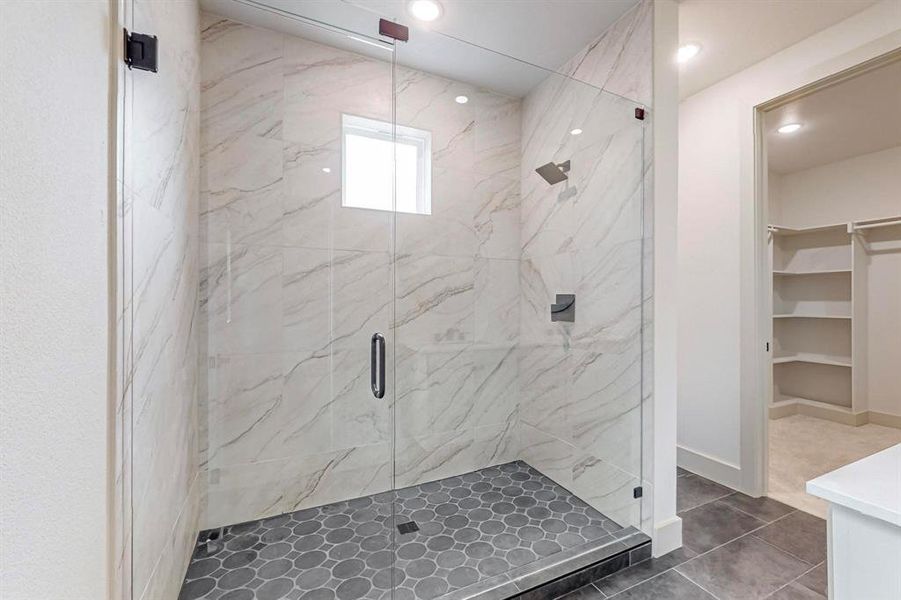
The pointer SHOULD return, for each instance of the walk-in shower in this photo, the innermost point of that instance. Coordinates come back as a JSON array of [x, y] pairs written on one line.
[[383, 406]]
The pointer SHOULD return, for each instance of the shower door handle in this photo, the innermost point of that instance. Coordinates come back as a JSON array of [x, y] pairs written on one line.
[[377, 365]]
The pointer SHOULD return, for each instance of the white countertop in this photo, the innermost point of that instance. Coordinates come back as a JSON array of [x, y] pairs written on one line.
[[871, 486]]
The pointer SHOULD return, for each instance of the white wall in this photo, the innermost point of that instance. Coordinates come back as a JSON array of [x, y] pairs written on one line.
[[663, 191], [720, 420], [53, 285], [862, 187]]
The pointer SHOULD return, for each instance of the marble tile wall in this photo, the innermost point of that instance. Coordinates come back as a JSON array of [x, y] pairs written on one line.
[[293, 284], [580, 409], [157, 470]]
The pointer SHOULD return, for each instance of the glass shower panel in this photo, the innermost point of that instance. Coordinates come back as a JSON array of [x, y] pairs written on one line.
[[518, 423], [296, 132]]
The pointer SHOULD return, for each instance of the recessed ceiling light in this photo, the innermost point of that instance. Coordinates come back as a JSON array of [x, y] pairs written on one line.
[[424, 10], [789, 128], [687, 52], [461, 99], [326, 170], [576, 131]]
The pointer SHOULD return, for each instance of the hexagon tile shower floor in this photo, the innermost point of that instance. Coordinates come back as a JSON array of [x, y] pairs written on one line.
[[487, 531]]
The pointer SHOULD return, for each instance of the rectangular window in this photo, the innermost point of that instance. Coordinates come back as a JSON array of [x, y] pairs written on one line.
[[369, 159]]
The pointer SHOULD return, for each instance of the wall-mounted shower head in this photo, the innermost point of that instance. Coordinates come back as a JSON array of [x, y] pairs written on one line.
[[554, 172]]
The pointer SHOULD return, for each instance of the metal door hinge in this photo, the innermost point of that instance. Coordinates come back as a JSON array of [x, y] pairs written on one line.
[[637, 492], [393, 30], [767, 346], [140, 51], [639, 114]]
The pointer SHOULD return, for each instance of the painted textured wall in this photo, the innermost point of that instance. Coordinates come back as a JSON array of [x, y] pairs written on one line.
[[158, 412], [54, 217], [294, 284]]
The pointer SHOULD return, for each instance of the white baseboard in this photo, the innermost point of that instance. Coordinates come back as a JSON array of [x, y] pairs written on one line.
[[707, 466], [667, 536], [885, 419]]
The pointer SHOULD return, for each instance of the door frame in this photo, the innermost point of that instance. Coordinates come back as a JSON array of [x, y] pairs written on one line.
[[756, 365]]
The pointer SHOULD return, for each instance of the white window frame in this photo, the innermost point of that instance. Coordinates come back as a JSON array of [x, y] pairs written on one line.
[[420, 139]]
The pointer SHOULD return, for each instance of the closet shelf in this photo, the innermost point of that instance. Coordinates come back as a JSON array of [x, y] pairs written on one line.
[[782, 230], [812, 357], [802, 316], [813, 272]]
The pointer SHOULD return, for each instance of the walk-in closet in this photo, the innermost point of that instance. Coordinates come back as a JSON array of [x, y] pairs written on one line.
[[834, 241]]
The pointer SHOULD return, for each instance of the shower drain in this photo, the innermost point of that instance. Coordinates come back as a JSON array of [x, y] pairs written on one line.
[[408, 527]]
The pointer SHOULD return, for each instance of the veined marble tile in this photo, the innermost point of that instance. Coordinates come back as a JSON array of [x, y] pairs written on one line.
[[300, 426], [608, 295], [156, 426], [434, 389], [241, 298], [358, 417], [428, 102], [257, 490], [244, 492], [361, 297], [608, 489], [545, 388], [165, 580], [550, 455], [306, 288], [339, 475], [495, 390], [496, 221], [241, 193], [541, 279], [268, 406], [497, 297], [163, 467], [309, 194], [498, 122], [434, 299], [620, 59], [607, 170], [433, 457], [242, 92], [496, 444], [606, 405], [322, 82], [450, 229], [163, 300]]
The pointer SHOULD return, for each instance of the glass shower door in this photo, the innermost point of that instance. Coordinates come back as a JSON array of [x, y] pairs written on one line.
[[297, 224]]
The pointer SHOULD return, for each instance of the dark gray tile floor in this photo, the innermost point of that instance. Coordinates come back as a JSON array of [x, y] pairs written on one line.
[[734, 548], [470, 528]]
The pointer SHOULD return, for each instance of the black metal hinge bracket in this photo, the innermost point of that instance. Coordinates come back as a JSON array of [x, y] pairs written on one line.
[[639, 114], [141, 51], [393, 30], [637, 492]]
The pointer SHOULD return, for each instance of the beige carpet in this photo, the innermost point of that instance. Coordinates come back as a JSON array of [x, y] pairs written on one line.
[[803, 447]]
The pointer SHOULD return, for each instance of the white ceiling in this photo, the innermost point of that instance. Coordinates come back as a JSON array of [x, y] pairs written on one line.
[[540, 32], [858, 116], [735, 34]]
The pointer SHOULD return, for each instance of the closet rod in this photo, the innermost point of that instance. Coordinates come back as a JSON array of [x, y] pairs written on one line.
[[855, 227]]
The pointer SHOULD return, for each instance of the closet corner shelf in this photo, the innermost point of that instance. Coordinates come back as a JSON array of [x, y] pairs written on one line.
[[781, 230], [800, 316], [817, 272], [810, 357]]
